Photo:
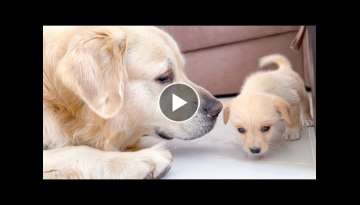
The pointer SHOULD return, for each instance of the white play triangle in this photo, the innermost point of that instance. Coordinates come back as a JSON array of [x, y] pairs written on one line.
[[177, 102]]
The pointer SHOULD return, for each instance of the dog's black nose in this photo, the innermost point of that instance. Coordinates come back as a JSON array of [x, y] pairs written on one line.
[[255, 150], [212, 108]]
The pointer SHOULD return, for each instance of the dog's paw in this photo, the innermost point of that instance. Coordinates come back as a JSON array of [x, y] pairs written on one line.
[[160, 158], [293, 134], [62, 174], [151, 163]]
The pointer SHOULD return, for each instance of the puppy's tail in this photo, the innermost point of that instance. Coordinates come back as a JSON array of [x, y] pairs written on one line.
[[282, 62]]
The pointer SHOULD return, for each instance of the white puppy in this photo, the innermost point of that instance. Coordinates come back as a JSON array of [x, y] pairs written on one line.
[[269, 106]]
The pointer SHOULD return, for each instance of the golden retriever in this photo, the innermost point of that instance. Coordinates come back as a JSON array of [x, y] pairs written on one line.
[[100, 91], [269, 106]]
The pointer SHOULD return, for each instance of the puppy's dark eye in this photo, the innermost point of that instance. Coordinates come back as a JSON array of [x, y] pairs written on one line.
[[165, 78], [265, 128], [241, 130]]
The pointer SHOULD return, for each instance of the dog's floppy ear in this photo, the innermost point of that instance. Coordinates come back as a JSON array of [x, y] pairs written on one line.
[[226, 114], [283, 108], [93, 68]]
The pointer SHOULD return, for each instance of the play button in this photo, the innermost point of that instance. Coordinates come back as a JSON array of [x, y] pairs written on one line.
[[178, 102]]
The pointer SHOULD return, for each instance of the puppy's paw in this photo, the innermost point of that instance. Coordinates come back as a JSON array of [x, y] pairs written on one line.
[[307, 120], [308, 123], [293, 134]]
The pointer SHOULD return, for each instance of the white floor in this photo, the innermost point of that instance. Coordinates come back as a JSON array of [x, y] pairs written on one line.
[[218, 155]]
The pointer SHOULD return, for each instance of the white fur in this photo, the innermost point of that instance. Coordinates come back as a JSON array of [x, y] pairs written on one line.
[[52, 135], [276, 99], [93, 141]]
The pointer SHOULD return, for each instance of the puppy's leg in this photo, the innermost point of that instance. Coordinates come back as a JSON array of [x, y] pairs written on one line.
[[293, 130], [83, 162], [306, 112]]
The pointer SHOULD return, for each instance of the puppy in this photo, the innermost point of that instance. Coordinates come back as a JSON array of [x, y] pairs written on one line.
[[270, 105], [101, 87]]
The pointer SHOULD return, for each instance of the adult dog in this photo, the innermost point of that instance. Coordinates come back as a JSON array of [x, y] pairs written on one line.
[[100, 95]]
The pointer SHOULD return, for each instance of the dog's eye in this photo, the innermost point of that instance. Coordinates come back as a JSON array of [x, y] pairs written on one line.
[[265, 128], [166, 77], [241, 130]]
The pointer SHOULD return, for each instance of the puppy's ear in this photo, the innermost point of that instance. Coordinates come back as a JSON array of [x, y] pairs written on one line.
[[283, 108], [226, 114], [93, 68]]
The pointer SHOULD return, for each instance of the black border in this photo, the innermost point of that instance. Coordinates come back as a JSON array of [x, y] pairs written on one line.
[[32, 65]]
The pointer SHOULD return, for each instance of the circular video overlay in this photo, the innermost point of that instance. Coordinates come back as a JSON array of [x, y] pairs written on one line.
[[179, 102]]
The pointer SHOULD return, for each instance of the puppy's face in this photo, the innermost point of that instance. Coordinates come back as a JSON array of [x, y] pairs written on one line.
[[120, 72], [258, 119]]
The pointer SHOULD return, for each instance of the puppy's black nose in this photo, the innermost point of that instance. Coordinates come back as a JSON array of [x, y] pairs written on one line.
[[255, 150], [212, 108]]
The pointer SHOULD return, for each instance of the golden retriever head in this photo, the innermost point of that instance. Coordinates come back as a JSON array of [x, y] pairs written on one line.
[[119, 73], [258, 118]]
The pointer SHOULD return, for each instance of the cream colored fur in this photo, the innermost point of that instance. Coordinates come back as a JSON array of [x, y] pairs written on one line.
[[275, 99], [100, 97]]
